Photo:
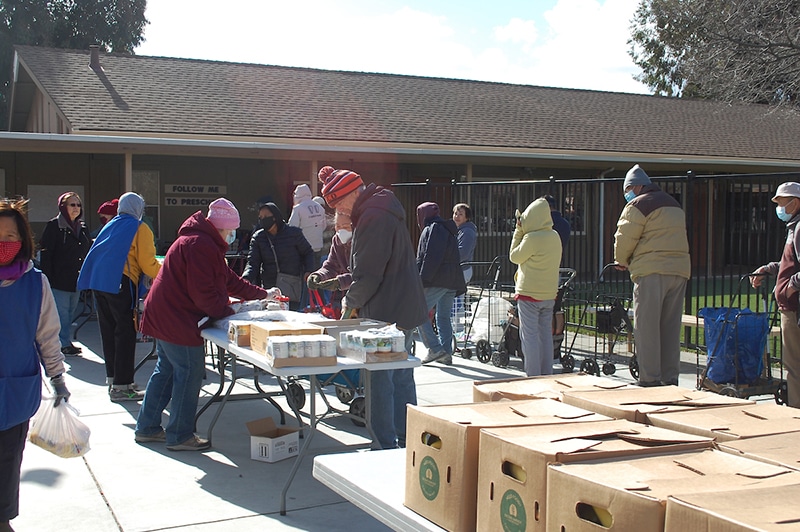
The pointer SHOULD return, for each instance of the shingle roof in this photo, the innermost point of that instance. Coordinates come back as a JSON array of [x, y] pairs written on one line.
[[157, 95]]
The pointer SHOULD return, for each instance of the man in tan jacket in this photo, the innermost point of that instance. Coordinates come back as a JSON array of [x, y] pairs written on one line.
[[651, 244]]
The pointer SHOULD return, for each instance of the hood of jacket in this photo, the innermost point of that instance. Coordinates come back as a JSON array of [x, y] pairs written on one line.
[[425, 212], [377, 197], [302, 192], [198, 224], [536, 217], [131, 203], [276, 212]]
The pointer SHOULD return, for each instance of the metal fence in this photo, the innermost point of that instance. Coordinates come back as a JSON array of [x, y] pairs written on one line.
[[731, 227]]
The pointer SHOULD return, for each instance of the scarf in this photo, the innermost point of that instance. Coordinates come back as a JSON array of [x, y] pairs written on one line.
[[13, 271]]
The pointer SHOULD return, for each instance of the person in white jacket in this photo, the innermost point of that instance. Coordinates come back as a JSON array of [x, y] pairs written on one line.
[[309, 216]]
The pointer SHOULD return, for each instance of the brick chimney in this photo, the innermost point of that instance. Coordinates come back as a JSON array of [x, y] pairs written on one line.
[[94, 61]]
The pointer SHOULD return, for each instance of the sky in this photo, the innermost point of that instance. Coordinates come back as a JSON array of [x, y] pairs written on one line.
[[579, 44]]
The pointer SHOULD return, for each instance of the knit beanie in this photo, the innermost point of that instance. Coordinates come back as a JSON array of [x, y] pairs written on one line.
[[109, 208], [635, 176], [336, 184], [222, 214], [301, 192]]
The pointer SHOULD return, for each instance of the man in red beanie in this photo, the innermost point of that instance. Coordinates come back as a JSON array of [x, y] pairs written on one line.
[[105, 212], [386, 286]]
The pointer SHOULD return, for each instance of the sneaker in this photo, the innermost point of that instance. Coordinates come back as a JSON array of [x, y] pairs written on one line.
[[447, 360], [192, 444], [433, 356], [148, 438], [71, 350], [128, 393]]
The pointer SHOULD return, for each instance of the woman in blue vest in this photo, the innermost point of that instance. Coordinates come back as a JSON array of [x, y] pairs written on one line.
[[29, 329]]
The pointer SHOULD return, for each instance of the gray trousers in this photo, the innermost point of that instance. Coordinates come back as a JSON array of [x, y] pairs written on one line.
[[536, 336], [657, 310], [790, 342]]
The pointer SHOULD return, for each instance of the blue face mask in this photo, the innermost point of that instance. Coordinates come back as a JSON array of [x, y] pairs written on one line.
[[230, 238], [784, 216], [629, 195]]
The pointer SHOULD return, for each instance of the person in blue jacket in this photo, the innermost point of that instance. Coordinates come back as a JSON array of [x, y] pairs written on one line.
[[29, 327]]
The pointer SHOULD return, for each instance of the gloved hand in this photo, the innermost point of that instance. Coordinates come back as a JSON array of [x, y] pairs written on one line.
[[314, 281], [60, 389], [330, 284]]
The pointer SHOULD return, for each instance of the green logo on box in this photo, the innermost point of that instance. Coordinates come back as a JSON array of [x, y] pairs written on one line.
[[512, 512], [429, 478]]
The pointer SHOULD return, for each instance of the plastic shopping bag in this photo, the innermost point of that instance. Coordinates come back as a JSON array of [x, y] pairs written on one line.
[[58, 430]]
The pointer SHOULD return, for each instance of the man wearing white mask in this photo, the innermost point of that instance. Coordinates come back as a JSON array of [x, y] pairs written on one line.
[[787, 284], [335, 271], [651, 243]]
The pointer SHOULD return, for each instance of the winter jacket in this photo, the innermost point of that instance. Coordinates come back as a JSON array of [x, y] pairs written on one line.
[[295, 256], [438, 258], [309, 216], [787, 271], [386, 285], [29, 328], [194, 283], [62, 253], [337, 264], [651, 236], [536, 250], [562, 227], [467, 238]]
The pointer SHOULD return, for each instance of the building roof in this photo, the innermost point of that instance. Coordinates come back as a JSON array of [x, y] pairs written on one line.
[[158, 96]]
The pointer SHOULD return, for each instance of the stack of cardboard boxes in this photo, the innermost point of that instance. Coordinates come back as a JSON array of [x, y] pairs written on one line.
[[577, 452]]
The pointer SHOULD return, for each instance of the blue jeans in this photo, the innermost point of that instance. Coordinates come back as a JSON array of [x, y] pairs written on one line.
[[390, 392], [178, 376], [442, 299], [67, 306], [536, 336]]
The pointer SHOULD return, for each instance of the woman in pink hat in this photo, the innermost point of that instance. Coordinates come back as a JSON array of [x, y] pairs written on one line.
[[194, 283]]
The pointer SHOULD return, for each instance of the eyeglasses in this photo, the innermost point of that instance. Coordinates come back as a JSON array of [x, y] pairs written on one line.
[[74, 205]]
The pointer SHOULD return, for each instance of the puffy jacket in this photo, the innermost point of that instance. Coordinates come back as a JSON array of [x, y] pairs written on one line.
[[294, 253], [194, 283], [651, 236], [438, 258], [62, 253], [386, 285], [536, 250]]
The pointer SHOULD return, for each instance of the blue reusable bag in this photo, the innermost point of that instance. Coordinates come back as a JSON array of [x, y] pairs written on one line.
[[734, 337]]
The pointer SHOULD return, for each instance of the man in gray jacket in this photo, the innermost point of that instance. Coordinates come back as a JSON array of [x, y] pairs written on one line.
[[386, 286]]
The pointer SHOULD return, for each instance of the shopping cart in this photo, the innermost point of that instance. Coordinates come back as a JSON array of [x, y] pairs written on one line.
[[610, 305], [511, 345], [739, 362]]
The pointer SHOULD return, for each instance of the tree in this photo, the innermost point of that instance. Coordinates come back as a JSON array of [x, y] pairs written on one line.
[[115, 25], [729, 50]]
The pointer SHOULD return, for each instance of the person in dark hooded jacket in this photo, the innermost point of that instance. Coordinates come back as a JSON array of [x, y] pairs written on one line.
[[276, 239], [439, 265]]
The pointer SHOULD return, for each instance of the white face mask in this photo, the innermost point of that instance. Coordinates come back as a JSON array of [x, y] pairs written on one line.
[[344, 235]]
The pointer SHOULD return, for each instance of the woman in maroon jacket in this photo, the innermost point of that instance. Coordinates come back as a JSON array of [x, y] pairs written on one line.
[[194, 283]]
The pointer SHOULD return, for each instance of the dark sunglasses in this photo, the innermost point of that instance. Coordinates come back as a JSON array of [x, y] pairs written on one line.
[[74, 205]]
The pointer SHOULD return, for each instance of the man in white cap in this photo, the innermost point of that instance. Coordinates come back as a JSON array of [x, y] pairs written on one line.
[[193, 284], [651, 243], [787, 271]]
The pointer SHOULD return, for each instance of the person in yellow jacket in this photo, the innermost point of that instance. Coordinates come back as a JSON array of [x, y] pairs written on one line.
[[651, 243], [121, 255], [536, 250]]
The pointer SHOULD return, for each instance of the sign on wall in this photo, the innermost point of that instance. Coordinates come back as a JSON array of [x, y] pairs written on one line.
[[195, 189]]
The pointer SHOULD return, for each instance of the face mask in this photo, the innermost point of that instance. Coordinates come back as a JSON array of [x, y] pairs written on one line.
[[629, 195], [784, 216], [344, 235], [9, 250], [267, 222], [230, 238]]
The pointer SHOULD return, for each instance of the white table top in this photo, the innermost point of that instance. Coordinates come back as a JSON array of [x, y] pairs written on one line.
[[352, 475], [220, 338]]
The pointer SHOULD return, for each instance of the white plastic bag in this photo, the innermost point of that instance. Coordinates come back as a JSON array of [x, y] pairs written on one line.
[[58, 430]]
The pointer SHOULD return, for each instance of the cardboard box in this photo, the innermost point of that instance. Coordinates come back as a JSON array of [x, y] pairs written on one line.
[[545, 386], [269, 443], [635, 403], [630, 494], [260, 331], [778, 449], [372, 358], [735, 511], [442, 447], [512, 469], [239, 333], [731, 422]]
